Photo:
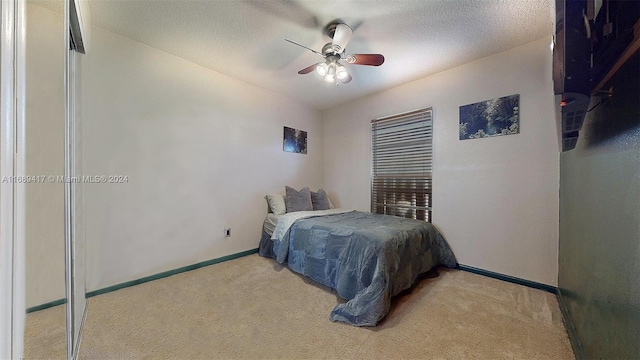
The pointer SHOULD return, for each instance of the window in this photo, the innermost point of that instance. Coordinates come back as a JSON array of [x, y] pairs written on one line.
[[401, 165]]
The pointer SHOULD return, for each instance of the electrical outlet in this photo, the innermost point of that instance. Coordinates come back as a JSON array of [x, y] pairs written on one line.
[[227, 232]]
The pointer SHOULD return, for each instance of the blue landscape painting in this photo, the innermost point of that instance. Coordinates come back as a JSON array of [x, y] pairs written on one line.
[[490, 118], [295, 140]]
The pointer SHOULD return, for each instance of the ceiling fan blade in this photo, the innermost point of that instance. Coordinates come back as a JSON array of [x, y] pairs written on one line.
[[310, 49], [341, 37], [366, 59], [347, 79], [308, 69]]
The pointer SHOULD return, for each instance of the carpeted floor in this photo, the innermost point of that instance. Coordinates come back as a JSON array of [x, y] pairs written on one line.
[[253, 308]]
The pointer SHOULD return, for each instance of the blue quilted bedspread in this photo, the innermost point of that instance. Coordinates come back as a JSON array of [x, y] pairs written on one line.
[[367, 258]]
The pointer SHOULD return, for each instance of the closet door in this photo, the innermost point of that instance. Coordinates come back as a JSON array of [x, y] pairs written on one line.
[[76, 19]]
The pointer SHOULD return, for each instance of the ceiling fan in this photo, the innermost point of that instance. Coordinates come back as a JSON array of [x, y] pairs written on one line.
[[334, 51]]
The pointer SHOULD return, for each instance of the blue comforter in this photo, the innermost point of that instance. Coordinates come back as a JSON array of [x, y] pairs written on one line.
[[367, 258]]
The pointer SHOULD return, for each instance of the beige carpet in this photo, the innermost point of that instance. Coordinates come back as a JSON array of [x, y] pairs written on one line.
[[253, 308]]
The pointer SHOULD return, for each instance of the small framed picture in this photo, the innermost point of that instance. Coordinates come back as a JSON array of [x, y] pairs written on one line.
[[295, 140]]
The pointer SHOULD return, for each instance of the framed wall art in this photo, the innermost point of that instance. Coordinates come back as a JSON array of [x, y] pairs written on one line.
[[294, 141], [489, 118]]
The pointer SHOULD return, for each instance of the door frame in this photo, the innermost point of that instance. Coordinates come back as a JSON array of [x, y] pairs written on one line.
[[12, 172]]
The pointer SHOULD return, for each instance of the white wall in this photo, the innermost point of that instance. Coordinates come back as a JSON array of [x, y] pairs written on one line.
[[200, 151], [44, 156], [495, 199]]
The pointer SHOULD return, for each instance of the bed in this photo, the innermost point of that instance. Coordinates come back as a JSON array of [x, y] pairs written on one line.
[[366, 258]]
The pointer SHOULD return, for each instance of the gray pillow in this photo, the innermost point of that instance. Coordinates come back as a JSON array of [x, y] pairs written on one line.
[[298, 200], [320, 200]]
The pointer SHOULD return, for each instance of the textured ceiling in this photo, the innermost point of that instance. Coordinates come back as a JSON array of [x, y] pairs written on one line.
[[245, 39]]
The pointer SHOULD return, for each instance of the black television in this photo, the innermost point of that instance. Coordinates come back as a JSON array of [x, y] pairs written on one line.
[[590, 37], [571, 67]]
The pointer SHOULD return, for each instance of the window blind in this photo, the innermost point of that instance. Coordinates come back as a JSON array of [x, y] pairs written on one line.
[[401, 165]]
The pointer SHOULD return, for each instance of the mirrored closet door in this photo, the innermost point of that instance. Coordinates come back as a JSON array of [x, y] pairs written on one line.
[[76, 21], [55, 265]]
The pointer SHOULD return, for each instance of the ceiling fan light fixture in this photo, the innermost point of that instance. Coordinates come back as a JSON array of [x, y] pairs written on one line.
[[342, 73], [321, 69], [331, 73], [332, 68]]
